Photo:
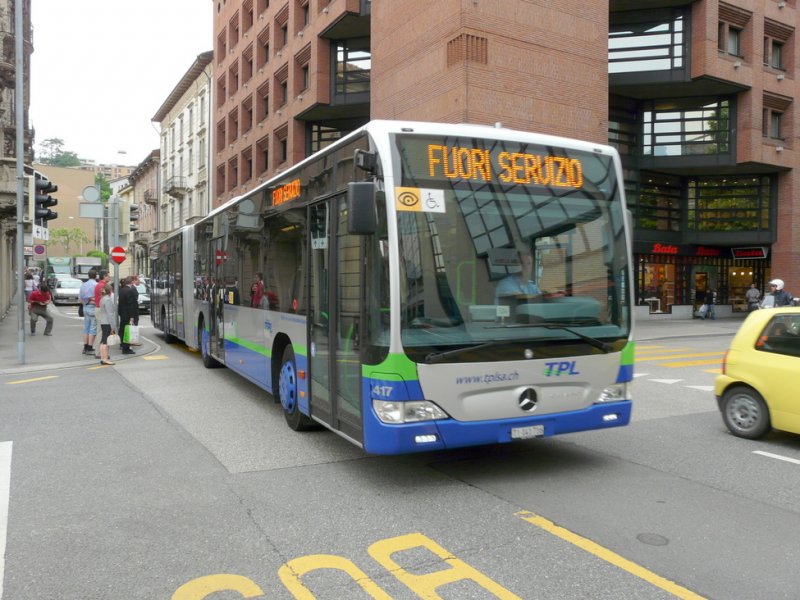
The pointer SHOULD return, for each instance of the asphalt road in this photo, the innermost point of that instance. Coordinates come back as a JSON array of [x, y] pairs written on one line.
[[160, 479]]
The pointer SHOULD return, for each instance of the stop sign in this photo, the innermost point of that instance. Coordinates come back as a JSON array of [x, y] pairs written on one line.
[[118, 254]]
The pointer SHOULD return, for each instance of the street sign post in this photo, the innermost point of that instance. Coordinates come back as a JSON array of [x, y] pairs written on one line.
[[118, 254]]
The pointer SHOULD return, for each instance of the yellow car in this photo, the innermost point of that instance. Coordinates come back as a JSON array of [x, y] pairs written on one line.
[[758, 388]]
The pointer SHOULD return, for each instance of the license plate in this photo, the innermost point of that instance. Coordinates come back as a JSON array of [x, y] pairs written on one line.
[[524, 433]]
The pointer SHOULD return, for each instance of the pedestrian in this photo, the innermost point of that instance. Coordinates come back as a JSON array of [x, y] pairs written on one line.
[[710, 300], [128, 311], [753, 295], [30, 284], [103, 278], [86, 298], [780, 294], [38, 308], [107, 317], [135, 285]]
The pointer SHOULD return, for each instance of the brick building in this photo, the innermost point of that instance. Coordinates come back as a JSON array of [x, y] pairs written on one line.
[[697, 96]]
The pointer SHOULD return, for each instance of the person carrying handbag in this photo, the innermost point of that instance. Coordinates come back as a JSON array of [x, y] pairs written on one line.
[[128, 309], [106, 316]]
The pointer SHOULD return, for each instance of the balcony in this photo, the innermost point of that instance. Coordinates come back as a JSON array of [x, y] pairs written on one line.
[[142, 237], [177, 187]]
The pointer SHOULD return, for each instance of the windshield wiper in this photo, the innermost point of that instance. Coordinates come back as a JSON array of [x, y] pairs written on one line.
[[600, 344], [435, 357]]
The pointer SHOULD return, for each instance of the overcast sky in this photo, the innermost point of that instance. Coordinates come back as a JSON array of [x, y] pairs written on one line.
[[102, 68]]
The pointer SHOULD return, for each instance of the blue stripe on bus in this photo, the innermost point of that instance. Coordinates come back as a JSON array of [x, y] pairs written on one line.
[[625, 374]]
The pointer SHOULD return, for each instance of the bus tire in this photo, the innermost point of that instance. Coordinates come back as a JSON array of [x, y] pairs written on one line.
[[204, 343], [288, 393]]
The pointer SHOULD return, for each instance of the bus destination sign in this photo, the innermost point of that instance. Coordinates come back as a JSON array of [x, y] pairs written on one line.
[[286, 192], [467, 163]]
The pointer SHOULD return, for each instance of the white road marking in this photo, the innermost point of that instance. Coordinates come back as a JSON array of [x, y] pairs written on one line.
[[667, 381], [702, 388], [777, 456], [5, 492], [635, 375]]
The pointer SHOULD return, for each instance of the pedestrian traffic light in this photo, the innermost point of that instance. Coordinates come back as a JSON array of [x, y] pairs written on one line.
[[42, 200]]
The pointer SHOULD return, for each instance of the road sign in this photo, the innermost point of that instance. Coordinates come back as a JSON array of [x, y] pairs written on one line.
[[39, 252], [118, 254]]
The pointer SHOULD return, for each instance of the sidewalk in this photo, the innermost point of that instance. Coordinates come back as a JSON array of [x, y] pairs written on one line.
[[676, 328], [62, 349]]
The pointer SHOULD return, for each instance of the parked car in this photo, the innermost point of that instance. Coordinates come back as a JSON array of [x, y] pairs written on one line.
[[756, 389], [144, 298], [67, 291]]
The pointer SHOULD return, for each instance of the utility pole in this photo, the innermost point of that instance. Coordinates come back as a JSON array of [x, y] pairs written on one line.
[[19, 105]]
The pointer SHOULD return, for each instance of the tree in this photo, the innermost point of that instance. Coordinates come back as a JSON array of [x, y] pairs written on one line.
[[67, 237], [54, 154], [105, 187]]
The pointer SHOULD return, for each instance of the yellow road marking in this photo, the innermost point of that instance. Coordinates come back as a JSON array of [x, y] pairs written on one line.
[[656, 349], [31, 380], [610, 557], [670, 356], [156, 357], [691, 363]]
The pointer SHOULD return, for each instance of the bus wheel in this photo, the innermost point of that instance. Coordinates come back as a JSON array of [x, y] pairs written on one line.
[[287, 391], [204, 342]]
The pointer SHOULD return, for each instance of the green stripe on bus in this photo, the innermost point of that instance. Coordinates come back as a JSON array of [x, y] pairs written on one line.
[[628, 352], [395, 367]]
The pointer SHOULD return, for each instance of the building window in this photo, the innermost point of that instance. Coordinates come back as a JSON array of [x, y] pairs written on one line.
[[656, 44], [771, 124], [729, 203], [190, 169], [203, 109], [262, 155], [201, 149], [353, 67], [262, 48], [658, 204], [262, 102], [686, 127], [247, 114]]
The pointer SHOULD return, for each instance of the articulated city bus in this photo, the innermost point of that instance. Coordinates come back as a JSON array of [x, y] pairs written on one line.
[[419, 286]]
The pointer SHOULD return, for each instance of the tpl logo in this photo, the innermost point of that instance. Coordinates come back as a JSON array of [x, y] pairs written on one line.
[[560, 368]]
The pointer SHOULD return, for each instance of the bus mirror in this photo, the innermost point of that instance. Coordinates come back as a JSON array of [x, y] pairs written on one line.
[[362, 216]]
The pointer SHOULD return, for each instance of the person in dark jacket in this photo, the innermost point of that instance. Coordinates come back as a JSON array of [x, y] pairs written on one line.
[[781, 295], [128, 310]]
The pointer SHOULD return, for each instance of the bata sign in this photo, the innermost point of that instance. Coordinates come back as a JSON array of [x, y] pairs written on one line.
[[664, 249], [759, 252]]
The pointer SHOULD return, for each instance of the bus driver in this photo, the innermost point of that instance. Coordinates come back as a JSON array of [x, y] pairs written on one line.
[[518, 286]]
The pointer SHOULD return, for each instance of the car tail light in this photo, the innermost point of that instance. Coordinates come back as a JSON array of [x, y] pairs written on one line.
[[725, 362]]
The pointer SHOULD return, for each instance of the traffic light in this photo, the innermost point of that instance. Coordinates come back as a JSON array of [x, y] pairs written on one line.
[[42, 200], [133, 216], [128, 215]]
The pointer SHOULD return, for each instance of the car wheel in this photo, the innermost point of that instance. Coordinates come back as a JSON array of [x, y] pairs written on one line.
[[288, 394], [745, 413]]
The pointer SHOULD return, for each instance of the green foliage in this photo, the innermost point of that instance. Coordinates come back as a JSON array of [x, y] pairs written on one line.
[[105, 187], [66, 237], [53, 153], [100, 254]]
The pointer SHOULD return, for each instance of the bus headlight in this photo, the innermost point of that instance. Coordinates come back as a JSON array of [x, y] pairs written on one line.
[[614, 393], [407, 412]]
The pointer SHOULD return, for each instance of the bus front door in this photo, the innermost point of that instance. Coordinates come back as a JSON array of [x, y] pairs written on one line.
[[335, 319]]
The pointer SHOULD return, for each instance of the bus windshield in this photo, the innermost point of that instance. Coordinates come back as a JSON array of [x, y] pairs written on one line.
[[505, 245]]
